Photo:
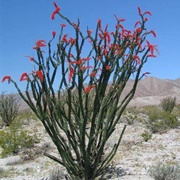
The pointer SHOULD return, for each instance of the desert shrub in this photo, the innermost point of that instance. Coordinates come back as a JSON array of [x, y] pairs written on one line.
[[5, 173], [27, 115], [14, 139], [9, 106], [165, 172], [133, 115], [129, 117], [57, 174], [146, 136], [148, 110], [29, 154], [161, 120], [176, 110], [168, 104]]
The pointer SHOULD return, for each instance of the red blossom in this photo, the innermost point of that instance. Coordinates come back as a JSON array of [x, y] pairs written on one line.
[[101, 36], [53, 33], [71, 55], [105, 52], [138, 22], [93, 74], [153, 33], [138, 30], [80, 61], [55, 11], [148, 12], [126, 33], [24, 77], [151, 55], [64, 38], [6, 78], [108, 37], [145, 74], [119, 26], [72, 40], [113, 33], [152, 48], [137, 59], [119, 19], [117, 49], [63, 25], [75, 26], [99, 21], [71, 73], [39, 74], [99, 24], [108, 67], [85, 67], [89, 88], [31, 58], [138, 41], [99, 58], [89, 32], [139, 11], [40, 43]]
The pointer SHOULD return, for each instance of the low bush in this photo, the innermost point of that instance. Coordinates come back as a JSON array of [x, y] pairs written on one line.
[[168, 104], [129, 117], [160, 120], [57, 174], [9, 106], [5, 173], [14, 139], [27, 115], [148, 110], [146, 136], [165, 172]]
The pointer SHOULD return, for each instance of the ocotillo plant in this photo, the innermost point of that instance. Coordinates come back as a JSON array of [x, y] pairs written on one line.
[[76, 96], [9, 107]]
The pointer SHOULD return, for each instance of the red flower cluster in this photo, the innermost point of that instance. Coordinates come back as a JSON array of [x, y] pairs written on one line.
[[80, 61], [71, 73], [24, 77], [55, 12], [140, 13], [152, 48], [53, 33], [40, 43], [6, 78], [89, 88], [39, 74], [63, 25], [31, 58], [106, 37]]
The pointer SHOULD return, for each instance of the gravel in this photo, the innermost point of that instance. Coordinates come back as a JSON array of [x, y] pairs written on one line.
[[132, 161]]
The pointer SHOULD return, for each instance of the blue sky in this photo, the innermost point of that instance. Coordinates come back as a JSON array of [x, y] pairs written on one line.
[[24, 22]]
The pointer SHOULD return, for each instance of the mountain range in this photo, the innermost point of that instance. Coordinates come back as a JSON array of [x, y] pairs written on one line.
[[150, 91]]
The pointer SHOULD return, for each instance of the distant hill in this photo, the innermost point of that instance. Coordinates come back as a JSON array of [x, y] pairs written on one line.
[[150, 91]]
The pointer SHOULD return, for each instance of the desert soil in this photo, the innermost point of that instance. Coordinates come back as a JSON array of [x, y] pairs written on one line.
[[132, 161]]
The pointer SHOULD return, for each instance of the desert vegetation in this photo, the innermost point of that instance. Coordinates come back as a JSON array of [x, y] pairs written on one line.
[[9, 105], [78, 99], [20, 139]]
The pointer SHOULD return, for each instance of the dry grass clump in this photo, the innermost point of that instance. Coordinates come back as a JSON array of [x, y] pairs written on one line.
[[165, 172]]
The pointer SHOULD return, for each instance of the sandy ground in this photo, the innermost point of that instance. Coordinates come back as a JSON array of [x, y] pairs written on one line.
[[134, 156]]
